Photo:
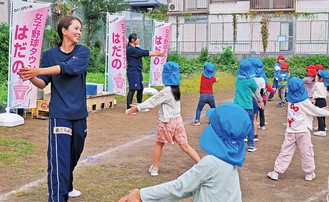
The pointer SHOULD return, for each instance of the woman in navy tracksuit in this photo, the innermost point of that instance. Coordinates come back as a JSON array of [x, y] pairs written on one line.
[[65, 67], [134, 68]]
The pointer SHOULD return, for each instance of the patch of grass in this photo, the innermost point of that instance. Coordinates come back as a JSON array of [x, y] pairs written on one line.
[[12, 149], [189, 84], [95, 78], [117, 185], [3, 92]]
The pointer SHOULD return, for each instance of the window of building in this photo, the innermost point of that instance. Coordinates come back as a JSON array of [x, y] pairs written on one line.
[[286, 29]]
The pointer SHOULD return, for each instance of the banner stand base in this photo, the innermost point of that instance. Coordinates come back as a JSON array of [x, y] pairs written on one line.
[[10, 119], [150, 90]]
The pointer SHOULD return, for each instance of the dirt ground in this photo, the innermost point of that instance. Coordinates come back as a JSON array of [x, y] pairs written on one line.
[[115, 138]]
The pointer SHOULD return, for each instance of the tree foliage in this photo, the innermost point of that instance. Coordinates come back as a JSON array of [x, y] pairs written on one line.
[[95, 15], [4, 51], [264, 31], [4, 44]]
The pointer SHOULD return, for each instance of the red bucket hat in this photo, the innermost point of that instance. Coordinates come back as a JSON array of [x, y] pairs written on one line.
[[285, 65], [319, 67], [281, 57], [311, 70], [309, 67]]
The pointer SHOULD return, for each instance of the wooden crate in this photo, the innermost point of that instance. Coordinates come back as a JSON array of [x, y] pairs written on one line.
[[42, 110], [100, 101]]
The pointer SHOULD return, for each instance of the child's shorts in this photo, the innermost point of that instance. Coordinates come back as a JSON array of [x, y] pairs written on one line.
[[172, 131], [255, 107]]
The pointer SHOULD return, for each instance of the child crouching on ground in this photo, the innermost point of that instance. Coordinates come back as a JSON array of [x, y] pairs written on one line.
[[299, 123], [170, 128]]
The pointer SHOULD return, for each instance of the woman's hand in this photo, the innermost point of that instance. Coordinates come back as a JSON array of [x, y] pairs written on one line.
[[28, 73]]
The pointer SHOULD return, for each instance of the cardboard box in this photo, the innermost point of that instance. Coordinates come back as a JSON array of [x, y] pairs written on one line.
[[39, 95], [46, 96], [46, 92], [43, 105]]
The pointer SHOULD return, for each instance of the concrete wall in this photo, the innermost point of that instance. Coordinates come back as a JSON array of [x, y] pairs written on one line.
[[4, 14]]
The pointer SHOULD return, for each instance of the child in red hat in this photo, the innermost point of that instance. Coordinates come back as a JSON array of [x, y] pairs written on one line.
[[320, 92], [309, 81], [277, 67], [282, 77]]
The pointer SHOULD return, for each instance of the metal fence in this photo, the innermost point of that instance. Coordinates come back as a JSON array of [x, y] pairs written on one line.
[[301, 47], [303, 36]]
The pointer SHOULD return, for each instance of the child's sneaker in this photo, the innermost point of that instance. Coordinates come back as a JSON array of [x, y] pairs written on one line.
[[256, 138], [251, 149], [153, 171], [195, 123], [273, 175], [261, 127], [281, 104], [74, 193], [320, 133], [270, 97], [246, 139], [310, 176]]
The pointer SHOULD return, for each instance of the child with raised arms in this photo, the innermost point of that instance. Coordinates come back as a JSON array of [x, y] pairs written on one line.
[[170, 126]]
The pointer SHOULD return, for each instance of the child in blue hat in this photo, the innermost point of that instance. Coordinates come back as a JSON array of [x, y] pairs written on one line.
[[170, 128], [297, 135], [246, 89], [206, 91], [215, 177]]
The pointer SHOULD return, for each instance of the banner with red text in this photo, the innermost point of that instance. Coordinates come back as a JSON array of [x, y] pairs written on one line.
[[160, 44], [27, 26], [116, 66]]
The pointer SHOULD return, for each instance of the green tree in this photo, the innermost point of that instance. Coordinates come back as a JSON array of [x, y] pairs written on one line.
[[4, 51], [264, 31], [95, 15]]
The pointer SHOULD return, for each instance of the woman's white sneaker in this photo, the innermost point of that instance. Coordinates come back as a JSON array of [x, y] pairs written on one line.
[[74, 193]]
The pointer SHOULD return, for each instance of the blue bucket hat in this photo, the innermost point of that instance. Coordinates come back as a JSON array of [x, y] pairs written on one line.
[[245, 70], [209, 70], [325, 75], [170, 74], [296, 90], [258, 66], [224, 136]]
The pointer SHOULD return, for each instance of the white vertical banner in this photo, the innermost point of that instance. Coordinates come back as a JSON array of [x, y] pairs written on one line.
[[117, 64], [27, 27], [160, 44]]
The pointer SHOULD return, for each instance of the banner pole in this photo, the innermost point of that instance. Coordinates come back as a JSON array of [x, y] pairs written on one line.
[[106, 51], [150, 90], [9, 52], [10, 119]]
